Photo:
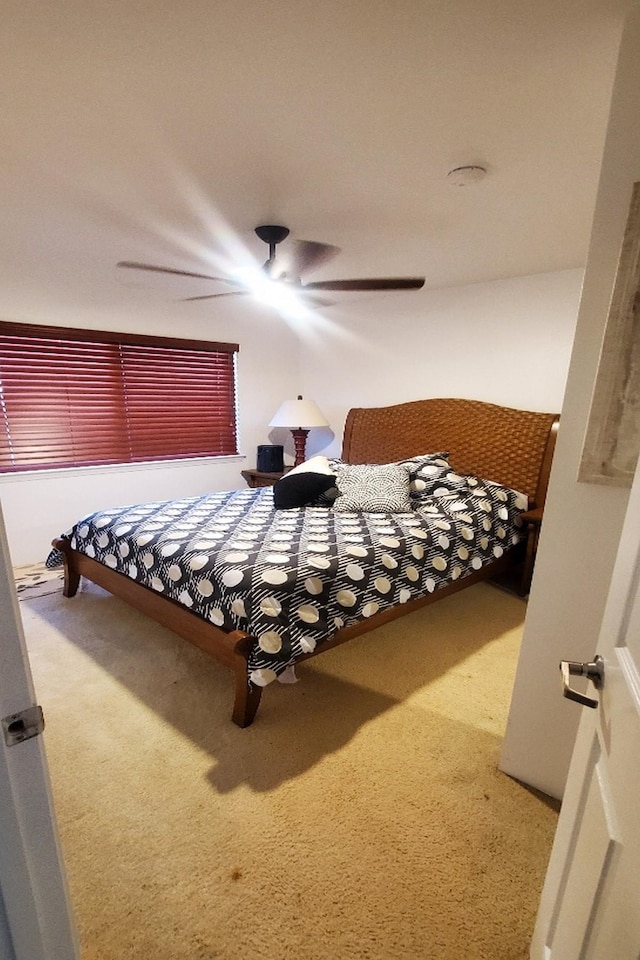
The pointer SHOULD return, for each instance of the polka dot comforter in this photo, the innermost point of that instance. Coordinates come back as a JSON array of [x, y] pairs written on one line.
[[292, 578]]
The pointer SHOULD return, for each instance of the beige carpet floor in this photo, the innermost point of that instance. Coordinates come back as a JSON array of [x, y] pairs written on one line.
[[361, 816]]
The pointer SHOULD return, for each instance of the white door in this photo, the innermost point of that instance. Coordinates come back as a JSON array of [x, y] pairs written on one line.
[[35, 919], [590, 905]]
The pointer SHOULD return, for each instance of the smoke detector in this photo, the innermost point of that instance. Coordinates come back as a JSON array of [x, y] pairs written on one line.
[[463, 176]]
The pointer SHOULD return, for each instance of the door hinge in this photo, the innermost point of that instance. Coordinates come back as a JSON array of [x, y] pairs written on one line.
[[23, 725]]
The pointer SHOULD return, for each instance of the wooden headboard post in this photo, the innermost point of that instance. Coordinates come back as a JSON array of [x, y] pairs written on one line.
[[545, 466], [512, 447]]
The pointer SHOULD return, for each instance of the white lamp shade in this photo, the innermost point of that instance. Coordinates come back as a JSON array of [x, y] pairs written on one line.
[[299, 413]]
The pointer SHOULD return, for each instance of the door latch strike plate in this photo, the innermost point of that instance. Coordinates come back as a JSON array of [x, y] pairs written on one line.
[[23, 725]]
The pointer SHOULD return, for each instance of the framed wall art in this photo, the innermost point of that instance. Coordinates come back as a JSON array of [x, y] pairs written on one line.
[[612, 439]]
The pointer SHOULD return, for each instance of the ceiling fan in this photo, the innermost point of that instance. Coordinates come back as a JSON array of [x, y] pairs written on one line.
[[303, 256]]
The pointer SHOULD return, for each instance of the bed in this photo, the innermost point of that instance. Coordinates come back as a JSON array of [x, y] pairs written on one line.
[[261, 589]]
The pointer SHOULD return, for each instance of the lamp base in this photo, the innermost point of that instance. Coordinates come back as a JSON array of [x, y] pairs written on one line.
[[300, 441]]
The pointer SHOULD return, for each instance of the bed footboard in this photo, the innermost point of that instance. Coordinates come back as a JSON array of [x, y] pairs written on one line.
[[230, 649]]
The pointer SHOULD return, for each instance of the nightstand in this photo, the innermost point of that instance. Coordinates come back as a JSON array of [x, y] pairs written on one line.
[[259, 478]]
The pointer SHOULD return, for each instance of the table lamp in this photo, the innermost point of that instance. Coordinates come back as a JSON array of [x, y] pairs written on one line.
[[299, 416]]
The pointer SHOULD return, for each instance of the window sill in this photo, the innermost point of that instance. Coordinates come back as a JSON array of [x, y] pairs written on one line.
[[104, 469]]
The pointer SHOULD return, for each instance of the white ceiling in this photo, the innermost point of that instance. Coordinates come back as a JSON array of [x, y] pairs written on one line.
[[165, 131]]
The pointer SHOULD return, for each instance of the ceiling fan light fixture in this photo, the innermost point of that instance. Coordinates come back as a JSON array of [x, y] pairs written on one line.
[[277, 294], [274, 270], [467, 174]]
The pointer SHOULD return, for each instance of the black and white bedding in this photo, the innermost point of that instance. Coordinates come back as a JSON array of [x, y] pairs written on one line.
[[292, 577]]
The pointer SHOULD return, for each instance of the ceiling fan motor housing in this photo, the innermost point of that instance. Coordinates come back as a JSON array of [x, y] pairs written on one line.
[[271, 234]]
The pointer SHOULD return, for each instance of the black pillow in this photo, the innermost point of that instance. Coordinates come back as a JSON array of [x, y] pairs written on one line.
[[299, 489]]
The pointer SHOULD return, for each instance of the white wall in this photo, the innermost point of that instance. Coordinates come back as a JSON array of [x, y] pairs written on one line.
[[507, 341], [40, 506], [582, 521]]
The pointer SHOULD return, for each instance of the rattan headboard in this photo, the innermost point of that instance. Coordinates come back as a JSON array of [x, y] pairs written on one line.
[[512, 447]]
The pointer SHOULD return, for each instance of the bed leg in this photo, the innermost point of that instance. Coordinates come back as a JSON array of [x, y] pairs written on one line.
[[71, 581], [247, 701], [71, 575]]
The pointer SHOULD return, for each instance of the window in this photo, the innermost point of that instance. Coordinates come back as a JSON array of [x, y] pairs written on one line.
[[71, 398]]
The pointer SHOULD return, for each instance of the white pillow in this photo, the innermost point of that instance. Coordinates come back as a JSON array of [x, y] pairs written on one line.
[[314, 465]]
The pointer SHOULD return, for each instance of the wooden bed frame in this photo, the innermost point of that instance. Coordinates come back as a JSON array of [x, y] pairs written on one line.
[[512, 447]]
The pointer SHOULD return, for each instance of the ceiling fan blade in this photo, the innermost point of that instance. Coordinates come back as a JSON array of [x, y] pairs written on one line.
[[314, 299], [210, 296], [132, 265], [307, 255], [377, 283]]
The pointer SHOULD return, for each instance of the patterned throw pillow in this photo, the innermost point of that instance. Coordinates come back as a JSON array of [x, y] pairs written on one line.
[[373, 488], [431, 475]]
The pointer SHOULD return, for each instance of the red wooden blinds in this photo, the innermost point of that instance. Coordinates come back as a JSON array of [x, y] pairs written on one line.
[[78, 398], [178, 400]]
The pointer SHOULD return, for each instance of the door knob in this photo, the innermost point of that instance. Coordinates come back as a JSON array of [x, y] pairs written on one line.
[[594, 671]]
